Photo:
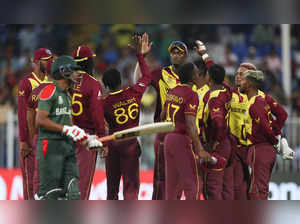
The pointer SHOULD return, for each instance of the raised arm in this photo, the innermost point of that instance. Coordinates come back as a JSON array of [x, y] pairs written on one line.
[[145, 49], [201, 50], [140, 45]]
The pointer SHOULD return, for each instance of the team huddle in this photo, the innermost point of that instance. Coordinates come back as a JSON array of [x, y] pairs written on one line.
[[223, 147]]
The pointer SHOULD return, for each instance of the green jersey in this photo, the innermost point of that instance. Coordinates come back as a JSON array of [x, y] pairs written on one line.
[[58, 103]]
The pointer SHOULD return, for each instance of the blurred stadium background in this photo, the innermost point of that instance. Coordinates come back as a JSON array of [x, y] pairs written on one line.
[[229, 45]]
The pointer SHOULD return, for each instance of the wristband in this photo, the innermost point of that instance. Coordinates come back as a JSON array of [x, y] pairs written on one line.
[[205, 56]]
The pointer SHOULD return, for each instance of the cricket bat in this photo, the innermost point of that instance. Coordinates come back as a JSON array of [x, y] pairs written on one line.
[[147, 129]]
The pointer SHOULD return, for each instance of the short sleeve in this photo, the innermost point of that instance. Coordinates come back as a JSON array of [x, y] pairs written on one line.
[[191, 103]]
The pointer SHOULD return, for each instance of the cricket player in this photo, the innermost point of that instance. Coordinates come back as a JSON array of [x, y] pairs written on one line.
[[261, 154], [217, 134], [202, 89], [31, 114], [182, 147], [239, 106], [55, 149], [121, 111], [26, 86], [163, 80], [87, 111]]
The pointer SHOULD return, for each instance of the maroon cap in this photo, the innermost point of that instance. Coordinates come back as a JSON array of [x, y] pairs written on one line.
[[42, 54], [82, 53]]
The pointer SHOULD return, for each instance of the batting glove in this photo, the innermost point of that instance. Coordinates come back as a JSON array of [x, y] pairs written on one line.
[[277, 146], [286, 152], [201, 45], [201, 49], [93, 142], [74, 132]]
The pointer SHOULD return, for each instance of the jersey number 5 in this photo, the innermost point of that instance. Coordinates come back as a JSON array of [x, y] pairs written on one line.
[[74, 101], [168, 117], [121, 115]]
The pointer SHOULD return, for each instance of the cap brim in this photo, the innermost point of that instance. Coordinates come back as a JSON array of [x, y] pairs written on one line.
[[46, 58], [81, 59]]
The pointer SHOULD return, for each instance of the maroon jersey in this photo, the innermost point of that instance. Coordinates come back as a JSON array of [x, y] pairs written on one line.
[[87, 106], [34, 96], [216, 115], [180, 100], [26, 86], [163, 79], [260, 122], [279, 112], [122, 108]]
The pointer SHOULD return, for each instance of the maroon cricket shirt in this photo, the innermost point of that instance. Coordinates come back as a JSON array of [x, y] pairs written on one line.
[[122, 108], [180, 101]]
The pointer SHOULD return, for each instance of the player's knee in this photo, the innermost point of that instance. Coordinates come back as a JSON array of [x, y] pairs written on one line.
[[73, 192]]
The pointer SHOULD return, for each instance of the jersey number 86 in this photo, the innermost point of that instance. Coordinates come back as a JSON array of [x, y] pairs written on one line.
[[121, 115]]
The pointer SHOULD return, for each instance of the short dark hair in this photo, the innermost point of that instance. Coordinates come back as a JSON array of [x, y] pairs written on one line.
[[185, 73], [201, 66], [111, 78], [217, 73]]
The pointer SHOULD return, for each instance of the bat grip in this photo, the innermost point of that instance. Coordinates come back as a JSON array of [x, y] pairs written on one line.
[[213, 160]]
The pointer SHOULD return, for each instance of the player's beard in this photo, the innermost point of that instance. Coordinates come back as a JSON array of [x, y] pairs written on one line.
[[43, 68]]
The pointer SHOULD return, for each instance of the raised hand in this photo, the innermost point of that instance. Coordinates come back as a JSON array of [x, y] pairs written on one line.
[[136, 44], [200, 47], [146, 46]]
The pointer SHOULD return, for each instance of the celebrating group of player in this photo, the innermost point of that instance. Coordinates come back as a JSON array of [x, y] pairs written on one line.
[[223, 146]]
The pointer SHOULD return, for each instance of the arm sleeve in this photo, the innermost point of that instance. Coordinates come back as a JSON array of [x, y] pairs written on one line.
[[145, 80], [279, 112], [258, 112], [191, 104], [46, 104], [23, 94], [209, 63], [96, 109], [217, 118], [155, 77]]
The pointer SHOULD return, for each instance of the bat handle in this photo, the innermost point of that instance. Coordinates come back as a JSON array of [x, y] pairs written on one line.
[[106, 138], [213, 160]]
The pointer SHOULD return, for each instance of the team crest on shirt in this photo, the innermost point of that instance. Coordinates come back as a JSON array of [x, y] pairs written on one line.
[[267, 107], [141, 84], [21, 93], [193, 107], [257, 120], [60, 100], [216, 109]]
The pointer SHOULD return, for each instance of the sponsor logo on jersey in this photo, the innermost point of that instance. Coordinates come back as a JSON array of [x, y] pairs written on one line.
[[63, 111], [34, 98], [21, 93]]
